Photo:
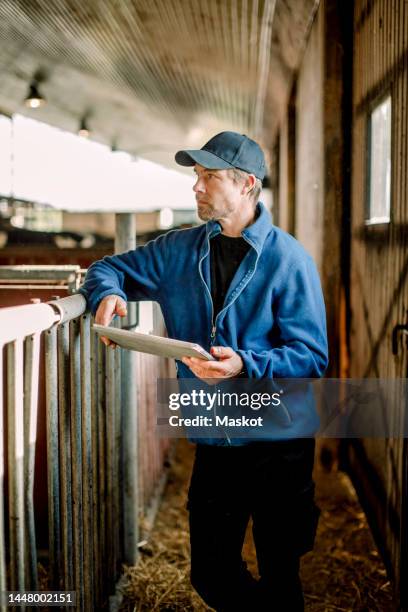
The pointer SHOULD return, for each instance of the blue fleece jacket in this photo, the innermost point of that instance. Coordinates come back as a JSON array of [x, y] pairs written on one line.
[[273, 315]]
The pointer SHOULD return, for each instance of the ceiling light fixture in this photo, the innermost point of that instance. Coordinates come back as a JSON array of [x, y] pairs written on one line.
[[84, 130], [34, 99]]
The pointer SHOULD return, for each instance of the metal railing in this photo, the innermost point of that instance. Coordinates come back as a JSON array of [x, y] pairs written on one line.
[[48, 277], [86, 526]]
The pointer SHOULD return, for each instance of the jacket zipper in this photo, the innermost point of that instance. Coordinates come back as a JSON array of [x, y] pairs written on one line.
[[213, 327], [214, 322]]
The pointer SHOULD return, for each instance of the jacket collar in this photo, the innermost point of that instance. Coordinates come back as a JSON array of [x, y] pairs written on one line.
[[255, 234]]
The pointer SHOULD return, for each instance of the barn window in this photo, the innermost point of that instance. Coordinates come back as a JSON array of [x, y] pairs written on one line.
[[379, 163]]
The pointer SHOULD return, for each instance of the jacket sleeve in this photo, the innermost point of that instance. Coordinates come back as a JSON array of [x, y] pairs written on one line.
[[135, 275], [300, 317]]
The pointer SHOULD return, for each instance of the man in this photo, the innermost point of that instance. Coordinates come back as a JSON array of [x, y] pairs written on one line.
[[250, 294]]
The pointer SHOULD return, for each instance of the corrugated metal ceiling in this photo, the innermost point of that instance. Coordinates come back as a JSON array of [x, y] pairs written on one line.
[[153, 75]]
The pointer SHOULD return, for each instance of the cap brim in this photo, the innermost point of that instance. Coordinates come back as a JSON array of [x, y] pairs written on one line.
[[203, 158]]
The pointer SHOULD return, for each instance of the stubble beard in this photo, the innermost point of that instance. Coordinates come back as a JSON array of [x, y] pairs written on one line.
[[206, 212]]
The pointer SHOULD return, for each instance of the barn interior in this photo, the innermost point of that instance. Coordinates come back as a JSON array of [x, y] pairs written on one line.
[[302, 77]]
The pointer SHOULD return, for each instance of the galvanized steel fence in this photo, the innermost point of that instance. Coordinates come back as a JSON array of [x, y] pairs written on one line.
[[86, 525]]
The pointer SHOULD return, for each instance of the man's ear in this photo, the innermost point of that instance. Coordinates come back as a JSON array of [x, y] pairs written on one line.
[[250, 183]]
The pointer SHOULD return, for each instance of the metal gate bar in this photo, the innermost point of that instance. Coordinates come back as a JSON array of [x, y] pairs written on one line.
[[53, 462], [31, 368]]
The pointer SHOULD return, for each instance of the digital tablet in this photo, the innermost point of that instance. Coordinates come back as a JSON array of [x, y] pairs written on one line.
[[154, 345]]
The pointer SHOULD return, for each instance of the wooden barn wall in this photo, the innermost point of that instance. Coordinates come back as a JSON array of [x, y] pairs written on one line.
[[379, 254], [309, 186], [287, 167], [281, 212], [379, 266], [312, 157]]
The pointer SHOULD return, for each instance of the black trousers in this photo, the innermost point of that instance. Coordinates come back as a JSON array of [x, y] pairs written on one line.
[[272, 482]]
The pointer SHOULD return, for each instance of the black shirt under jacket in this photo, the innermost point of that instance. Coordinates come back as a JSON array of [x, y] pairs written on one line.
[[226, 256]]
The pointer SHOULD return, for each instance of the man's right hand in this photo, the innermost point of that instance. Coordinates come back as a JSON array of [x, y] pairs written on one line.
[[110, 306]]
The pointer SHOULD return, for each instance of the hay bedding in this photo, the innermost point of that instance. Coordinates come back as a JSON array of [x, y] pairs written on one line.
[[161, 581], [344, 573]]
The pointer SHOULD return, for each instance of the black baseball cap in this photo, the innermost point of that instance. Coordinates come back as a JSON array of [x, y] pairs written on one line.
[[227, 150]]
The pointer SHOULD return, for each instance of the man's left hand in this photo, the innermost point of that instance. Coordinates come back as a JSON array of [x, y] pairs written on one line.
[[228, 364]]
